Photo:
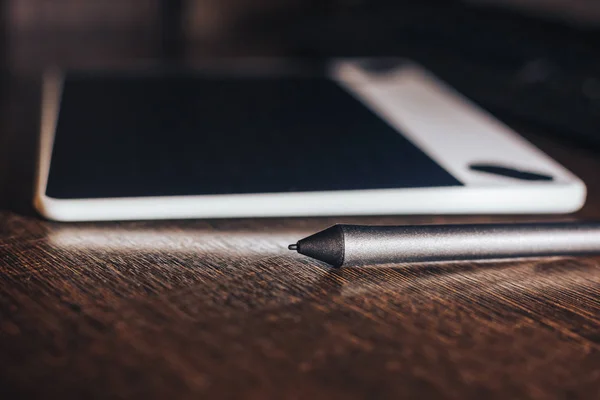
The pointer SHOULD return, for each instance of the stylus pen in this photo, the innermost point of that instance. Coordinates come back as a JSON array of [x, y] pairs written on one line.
[[350, 245]]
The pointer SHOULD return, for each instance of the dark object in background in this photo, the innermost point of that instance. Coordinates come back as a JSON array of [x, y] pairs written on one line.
[[171, 30], [540, 71], [4, 81]]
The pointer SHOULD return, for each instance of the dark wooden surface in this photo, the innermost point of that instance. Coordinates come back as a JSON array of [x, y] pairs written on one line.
[[203, 309]]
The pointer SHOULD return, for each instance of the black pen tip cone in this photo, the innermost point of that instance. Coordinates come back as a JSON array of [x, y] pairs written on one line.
[[327, 246]]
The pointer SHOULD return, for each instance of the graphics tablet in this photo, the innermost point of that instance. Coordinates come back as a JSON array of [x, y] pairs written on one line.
[[352, 137]]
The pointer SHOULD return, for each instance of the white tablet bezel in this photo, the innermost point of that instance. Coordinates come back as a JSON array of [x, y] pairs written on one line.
[[446, 126]]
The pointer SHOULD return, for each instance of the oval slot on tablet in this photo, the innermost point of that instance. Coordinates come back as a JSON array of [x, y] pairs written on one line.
[[510, 172]]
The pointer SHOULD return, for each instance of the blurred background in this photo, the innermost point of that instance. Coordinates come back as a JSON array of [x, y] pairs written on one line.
[[536, 62]]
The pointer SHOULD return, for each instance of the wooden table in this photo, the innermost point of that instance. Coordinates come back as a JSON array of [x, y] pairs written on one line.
[[198, 309]]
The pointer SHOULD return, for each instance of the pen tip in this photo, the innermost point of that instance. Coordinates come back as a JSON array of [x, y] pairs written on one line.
[[293, 247]]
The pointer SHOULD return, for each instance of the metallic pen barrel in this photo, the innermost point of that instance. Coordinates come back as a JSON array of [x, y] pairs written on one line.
[[359, 245]]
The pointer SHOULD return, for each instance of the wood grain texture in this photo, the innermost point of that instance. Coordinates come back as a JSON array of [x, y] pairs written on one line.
[[188, 309], [220, 308]]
